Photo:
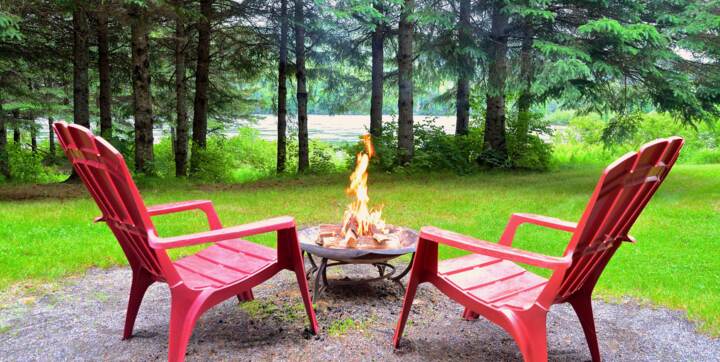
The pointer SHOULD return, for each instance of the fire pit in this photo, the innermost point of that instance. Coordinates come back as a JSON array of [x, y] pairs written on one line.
[[362, 238], [377, 257]]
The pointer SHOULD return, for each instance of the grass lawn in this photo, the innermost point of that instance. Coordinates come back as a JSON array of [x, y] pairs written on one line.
[[676, 262]]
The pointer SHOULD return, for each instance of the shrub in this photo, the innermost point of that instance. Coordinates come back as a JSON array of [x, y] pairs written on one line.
[[240, 158], [26, 167], [215, 164], [164, 158], [435, 150], [249, 151], [323, 157], [583, 142], [526, 150]]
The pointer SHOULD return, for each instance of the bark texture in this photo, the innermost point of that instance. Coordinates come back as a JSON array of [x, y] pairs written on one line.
[[141, 89], [302, 95], [4, 165], [51, 140], [462, 97], [181, 119], [495, 139], [282, 90], [202, 85], [17, 137], [33, 139], [526, 76], [378, 72], [81, 112], [104, 98], [405, 84]]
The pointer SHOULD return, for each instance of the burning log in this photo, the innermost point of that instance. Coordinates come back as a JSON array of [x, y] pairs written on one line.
[[331, 236]]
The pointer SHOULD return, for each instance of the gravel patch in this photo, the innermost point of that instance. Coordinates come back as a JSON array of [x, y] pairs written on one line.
[[83, 320]]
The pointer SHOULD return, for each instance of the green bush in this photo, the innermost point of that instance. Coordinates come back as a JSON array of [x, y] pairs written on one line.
[[435, 150], [583, 142], [526, 150], [26, 167], [249, 151], [215, 163], [244, 157], [164, 158], [323, 157]]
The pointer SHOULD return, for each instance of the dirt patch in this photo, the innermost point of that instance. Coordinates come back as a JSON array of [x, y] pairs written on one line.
[[83, 320], [58, 191]]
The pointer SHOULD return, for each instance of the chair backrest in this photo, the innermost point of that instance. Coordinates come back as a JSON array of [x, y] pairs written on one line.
[[621, 194], [103, 171]]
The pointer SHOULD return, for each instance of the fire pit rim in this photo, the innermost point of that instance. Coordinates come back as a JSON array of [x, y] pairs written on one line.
[[307, 243]]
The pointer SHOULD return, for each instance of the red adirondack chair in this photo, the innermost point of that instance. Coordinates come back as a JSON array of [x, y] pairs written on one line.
[[229, 267], [489, 283]]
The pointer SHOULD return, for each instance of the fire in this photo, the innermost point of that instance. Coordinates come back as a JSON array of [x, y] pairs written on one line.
[[362, 227], [359, 219]]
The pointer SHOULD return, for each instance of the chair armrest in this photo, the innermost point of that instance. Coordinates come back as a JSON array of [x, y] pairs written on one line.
[[254, 228], [491, 249], [549, 222], [205, 206]]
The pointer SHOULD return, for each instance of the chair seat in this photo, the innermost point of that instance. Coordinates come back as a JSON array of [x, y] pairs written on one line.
[[491, 281], [224, 263]]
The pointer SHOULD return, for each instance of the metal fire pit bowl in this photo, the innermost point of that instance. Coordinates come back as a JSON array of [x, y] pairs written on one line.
[[378, 258]]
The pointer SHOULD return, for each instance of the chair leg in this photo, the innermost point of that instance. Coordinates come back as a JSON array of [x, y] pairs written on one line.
[[410, 291], [530, 333], [469, 315], [183, 315], [305, 293], [583, 308], [246, 296], [140, 282]]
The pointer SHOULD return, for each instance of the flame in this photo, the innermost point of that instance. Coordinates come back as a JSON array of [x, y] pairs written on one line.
[[358, 211]]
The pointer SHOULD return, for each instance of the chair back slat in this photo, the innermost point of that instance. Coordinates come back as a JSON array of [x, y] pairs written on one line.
[[624, 189], [103, 171]]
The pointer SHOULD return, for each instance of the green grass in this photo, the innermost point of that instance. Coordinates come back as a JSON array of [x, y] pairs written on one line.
[[262, 309], [340, 327], [676, 262]]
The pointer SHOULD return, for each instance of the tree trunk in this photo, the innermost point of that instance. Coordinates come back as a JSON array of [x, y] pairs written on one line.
[[202, 82], [378, 72], [4, 164], [462, 101], [33, 138], [81, 112], [405, 84], [51, 141], [16, 127], [104, 99], [494, 138], [526, 76], [181, 132], [302, 95], [141, 89], [282, 91]]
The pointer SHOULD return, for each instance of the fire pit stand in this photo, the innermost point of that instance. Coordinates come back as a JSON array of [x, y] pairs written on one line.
[[330, 257]]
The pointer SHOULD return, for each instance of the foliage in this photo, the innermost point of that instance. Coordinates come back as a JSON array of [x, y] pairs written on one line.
[[323, 158], [436, 150], [585, 140], [215, 163], [9, 27], [245, 157], [26, 167]]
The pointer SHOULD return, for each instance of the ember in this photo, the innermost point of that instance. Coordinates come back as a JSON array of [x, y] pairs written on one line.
[[362, 227]]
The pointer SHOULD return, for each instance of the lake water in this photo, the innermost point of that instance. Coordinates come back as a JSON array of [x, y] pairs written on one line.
[[340, 128], [334, 128]]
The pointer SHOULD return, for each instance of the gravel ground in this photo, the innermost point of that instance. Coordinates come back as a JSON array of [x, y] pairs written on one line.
[[83, 320]]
